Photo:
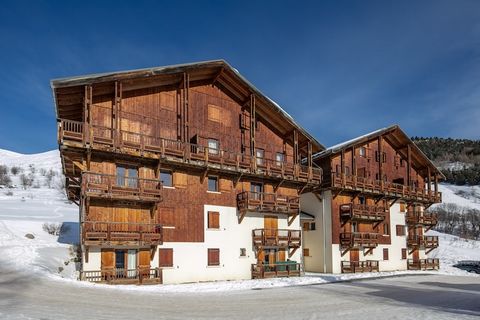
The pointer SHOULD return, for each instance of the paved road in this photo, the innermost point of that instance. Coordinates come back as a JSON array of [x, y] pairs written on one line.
[[410, 297]]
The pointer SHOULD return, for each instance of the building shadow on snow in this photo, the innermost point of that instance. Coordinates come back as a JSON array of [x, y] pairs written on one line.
[[69, 233], [440, 297]]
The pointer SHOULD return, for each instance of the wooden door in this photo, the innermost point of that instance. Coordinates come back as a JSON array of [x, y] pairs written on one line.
[[281, 255], [270, 223], [144, 259], [416, 256], [354, 255]]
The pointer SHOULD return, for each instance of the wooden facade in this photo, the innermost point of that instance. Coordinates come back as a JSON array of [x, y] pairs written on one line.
[[195, 124]]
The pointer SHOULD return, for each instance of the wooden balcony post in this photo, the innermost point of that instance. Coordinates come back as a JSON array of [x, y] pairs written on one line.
[[380, 161], [342, 167]]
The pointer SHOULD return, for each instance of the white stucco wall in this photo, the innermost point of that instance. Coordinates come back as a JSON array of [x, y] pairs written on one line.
[[318, 241], [190, 259]]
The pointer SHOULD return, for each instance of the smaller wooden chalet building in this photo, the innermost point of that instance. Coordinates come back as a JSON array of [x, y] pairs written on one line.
[[370, 210]]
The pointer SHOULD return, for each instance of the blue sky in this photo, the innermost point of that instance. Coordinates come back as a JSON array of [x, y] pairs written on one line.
[[341, 68]]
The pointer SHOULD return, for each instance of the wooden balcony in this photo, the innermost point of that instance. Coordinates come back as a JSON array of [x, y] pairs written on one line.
[[279, 238], [281, 269], [262, 202], [422, 242], [417, 217], [120, 233], [362, 212], [124, 276], [80, 135], [358, 240], [359, 266], [423, 264], [101, 185], [376, 187]]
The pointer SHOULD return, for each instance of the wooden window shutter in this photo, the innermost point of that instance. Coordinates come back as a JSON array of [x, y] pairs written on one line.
[[403, 207], [281, 255], [306, 252], [180, 180], [385, 254], [214, 113], [400, 230], [404, 253], [165, 257], [213, 220], [225, 185], [213, 257], [144, 258], [108, 259]]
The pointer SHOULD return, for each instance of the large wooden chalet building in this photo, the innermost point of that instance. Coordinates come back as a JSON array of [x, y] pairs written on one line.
[[189, 173]]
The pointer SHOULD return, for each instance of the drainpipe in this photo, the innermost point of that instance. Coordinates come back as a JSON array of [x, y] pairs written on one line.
[[324, 236]]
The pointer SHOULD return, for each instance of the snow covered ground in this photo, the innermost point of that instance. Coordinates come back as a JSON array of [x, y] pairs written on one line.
[[25, 211]]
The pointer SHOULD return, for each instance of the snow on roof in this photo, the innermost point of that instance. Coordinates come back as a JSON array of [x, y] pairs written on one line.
[[340, 146]]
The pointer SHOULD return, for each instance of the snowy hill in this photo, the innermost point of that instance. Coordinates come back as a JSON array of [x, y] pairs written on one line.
[[25, 210]]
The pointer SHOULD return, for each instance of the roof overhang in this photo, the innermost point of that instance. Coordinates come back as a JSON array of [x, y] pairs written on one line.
[[69, 92], [397, 138]]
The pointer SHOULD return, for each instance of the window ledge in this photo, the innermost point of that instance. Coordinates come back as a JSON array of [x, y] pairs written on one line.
[[214, 229], [219, 266], [168, 187], [214, 192]]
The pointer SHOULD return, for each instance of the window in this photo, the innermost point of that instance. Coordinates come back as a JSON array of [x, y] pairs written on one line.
[[260, 155], [384, 157], [354, 227], [400, 230], [127, 177], [308, 226], [386, 230], [402, 163], [306, 252], [213, 184], [385, 254], [377, 156], [404, 253], [362, 200], [213, 146], [165, 257], [347, 171], [120, 259], [213, 257], [279, 158], [362, 151], [243, 252], [337, 170], [213, 220], [166, 178]]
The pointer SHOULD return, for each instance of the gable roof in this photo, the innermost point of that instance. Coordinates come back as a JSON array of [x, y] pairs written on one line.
[[219, 72], [396, 137]]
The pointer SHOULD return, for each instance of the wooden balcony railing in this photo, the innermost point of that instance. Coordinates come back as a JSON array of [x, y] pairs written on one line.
[[121, 233], [362, 212], [366, 185], [123, 276], [422, 242], [276, 238], [174, 150], [119, 187], [422, 218], [359, 266], [358, 239], [423, 264], [268, 202], [280, 269]]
